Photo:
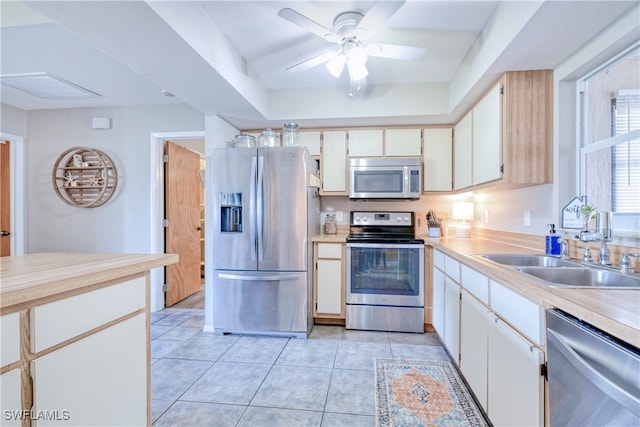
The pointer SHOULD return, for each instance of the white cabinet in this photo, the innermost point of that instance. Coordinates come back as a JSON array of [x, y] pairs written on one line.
[[487, 137], [10, 385], [515, 384], [463, 152], [108, 368], [507, 138], [474, 332], [329, 283], [365, 143], [402, 142], [437, 159], [11, 401], [452, 318], [333, 163], [311, 140], [437, 316]]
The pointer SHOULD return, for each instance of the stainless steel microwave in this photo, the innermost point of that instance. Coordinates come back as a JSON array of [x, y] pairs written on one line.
[[385, 178]]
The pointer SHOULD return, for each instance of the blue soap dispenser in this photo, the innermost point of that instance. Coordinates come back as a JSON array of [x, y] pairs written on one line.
[[552, 241]]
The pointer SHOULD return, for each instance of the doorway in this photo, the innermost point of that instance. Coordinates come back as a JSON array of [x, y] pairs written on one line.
[[184, 220], [5, 198]]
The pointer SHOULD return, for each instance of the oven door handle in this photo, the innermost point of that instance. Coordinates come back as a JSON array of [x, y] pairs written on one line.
[[386, 245]]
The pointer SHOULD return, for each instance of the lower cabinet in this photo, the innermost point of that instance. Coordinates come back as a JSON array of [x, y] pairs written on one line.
[[329, 281], [501, 364], [515, 384], [101, 377], [11, 399], [474, 345], [452, 318]]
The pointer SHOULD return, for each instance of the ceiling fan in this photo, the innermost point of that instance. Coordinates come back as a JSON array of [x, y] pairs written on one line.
[[351, 31]]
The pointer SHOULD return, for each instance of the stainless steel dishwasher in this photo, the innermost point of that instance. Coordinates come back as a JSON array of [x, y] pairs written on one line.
[[594, 379]]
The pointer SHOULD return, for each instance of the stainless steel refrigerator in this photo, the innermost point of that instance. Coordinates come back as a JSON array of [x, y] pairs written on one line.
[[264, 214]]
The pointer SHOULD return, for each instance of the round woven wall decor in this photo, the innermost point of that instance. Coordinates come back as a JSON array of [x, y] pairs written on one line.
[[84, 177]]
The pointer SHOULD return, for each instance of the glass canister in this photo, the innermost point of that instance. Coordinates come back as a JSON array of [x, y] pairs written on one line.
[[269, 138], [244, 141], [290, 134], [330, 224]]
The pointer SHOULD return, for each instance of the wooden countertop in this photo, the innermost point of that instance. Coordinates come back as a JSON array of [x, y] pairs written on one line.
[[615, 311], [34, 276]]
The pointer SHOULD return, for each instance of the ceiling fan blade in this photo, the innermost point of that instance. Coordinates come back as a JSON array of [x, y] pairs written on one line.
[[309, 25], [313, 62], [396, 51], [375, 18]]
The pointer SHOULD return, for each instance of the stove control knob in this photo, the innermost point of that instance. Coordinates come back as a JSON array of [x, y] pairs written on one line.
[[357, 219], [365, 219], [399, 219], [406, 219]]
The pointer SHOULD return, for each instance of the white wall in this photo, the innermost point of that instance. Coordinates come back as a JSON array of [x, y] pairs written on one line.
[[122, 224], [13, 120]]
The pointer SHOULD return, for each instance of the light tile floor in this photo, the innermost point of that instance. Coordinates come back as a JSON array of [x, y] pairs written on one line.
[[202, 379]]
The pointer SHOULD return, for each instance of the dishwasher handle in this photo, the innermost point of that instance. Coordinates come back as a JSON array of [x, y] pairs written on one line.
[[599, 380]]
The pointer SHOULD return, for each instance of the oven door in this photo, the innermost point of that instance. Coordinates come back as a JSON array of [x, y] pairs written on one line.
[[385, 274]]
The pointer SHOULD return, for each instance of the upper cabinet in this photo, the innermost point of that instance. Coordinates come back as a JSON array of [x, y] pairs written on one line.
[[365, 143], [507, 138], [403, 142], [436, 159], [311, 140], [333, 163], [463, 152]]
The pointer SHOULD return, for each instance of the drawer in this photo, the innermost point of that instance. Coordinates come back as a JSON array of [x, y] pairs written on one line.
[[523, 314], [438, 259], [475, 283], [329, 250], [61, 320], [10, 329], [452, 268]]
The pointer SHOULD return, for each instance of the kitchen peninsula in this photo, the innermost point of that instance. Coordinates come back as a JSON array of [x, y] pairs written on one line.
[[75, 338]]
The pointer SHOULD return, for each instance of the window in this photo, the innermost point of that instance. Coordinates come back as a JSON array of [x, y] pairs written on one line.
[[610, 140]]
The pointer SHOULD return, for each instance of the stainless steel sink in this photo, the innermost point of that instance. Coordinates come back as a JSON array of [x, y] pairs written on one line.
[[527, 260], [583, 277]]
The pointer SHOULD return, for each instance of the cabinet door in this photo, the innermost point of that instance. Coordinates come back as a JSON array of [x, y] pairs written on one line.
[[438, 302], [11, 401], [515, 386], [474, 333], [402, 142], [99, 380], [365, 143], [334, 162], [329, 287], [452, 319], [437, 159], [463, 152], [10, 333], [487, 137], [311, 140]]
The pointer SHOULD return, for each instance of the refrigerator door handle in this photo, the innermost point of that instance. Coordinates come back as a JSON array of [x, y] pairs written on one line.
[[252, 216], [260, 208], [278, 277]]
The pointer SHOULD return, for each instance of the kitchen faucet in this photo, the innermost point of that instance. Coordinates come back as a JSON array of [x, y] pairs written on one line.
[[602, 233]]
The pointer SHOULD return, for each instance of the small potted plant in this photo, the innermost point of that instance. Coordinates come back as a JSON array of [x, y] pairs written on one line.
[[587, 212]]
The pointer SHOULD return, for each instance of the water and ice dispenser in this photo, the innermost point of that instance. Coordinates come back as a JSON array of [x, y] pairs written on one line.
[[231, 212]]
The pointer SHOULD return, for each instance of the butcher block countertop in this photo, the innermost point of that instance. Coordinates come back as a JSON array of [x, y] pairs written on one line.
[[27, 278], [615, 311]]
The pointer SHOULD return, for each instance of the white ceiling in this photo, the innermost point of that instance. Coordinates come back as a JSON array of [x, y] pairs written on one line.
[[229, 57]]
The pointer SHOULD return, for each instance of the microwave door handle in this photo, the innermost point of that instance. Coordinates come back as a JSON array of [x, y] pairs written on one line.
[[252, 215], [260, 208]]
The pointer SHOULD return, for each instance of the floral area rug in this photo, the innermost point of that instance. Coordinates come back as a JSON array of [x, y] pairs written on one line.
[[422, 393]]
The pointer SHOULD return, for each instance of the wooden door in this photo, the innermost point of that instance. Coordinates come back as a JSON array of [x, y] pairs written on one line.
[[5, 199], [182, 210]]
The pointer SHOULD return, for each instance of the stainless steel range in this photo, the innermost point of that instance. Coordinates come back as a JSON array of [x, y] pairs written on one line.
[[385, 273]]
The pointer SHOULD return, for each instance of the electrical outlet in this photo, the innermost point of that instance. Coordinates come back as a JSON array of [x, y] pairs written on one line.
[[486, 217], [527, 217]]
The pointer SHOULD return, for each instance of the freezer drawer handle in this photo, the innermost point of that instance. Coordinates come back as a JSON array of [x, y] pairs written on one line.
[[596, 378], [278, 277]]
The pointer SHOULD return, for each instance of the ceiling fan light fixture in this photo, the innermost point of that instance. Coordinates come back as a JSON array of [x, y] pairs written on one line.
[[357, 71], [336, 65]]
